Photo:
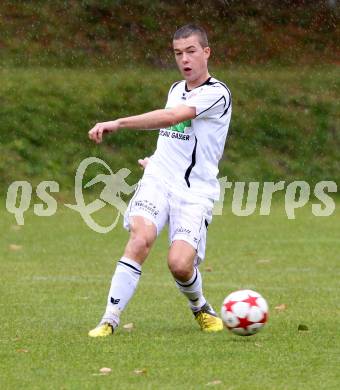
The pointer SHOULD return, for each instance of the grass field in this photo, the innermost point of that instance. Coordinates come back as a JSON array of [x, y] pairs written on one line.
[[55, 273]]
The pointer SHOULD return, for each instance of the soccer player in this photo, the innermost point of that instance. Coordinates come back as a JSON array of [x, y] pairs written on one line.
[[179, 184]]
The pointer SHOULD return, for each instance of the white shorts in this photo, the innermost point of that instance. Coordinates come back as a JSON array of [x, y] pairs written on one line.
[[188, 218]]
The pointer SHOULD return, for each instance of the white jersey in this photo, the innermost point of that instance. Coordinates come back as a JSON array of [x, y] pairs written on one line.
[[188, 153]]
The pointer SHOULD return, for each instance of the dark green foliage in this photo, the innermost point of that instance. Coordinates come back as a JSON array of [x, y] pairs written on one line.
[[101, 33]]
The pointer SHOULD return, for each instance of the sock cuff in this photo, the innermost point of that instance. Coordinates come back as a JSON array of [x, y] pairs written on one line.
[[191, 281], [132, 264]]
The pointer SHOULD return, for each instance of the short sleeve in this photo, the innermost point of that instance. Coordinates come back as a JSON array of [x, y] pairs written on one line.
[[208, 101]]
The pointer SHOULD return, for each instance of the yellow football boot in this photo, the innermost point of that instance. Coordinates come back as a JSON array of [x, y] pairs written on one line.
[[208, 320], [102, 330]]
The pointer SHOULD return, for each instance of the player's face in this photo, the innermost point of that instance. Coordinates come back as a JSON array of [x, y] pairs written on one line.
[[192, 59]]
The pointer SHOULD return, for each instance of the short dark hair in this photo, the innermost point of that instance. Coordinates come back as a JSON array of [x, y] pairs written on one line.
[[192, 29]]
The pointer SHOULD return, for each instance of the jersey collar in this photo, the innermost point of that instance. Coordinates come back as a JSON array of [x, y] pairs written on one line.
[[205, 83]]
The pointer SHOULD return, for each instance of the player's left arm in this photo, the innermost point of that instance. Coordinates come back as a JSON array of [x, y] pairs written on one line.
[[149, 121]]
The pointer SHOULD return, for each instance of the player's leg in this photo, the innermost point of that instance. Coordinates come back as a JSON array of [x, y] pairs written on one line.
[[181, 262], [145, 217], [187, 235], [126, 276], [129, 268]]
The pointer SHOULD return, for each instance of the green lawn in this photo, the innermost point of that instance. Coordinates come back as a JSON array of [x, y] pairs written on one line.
[[285, 121], [54, 286]]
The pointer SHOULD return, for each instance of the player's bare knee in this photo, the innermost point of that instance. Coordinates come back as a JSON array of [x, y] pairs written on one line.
[[180, 269], [140, 244], [181, 274]]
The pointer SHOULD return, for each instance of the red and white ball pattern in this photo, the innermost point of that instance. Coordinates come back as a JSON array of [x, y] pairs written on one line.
[[244, 312]]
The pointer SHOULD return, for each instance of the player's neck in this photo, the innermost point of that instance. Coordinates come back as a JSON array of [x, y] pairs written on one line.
[[196, 83]]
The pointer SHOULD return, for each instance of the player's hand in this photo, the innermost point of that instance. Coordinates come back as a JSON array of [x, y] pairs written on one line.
[[97, 132], [143, 162]]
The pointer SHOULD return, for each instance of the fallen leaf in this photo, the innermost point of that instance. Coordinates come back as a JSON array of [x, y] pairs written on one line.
[[128, 326], [281, 307], [208, 269], [105, 370], [15, 247], [263, 261], [15, 227], [214, 383], [303, 327], [22, 350], [140, 371], [258, 345]]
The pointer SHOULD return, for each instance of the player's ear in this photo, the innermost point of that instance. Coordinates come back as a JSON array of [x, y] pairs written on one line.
[[206, 51]]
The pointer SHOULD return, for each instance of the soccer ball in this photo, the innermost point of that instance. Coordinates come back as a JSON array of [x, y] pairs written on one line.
[[244, 312]]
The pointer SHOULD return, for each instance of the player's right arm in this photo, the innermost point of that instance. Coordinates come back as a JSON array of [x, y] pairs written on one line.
[[149, 121]]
